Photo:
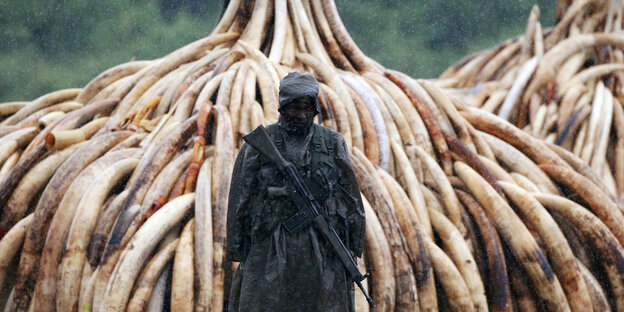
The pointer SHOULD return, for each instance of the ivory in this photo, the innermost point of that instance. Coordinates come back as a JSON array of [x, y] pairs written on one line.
[[340, 114], [372, 187], [554, 57], [187, 104], [64, 107], [517, 236], [603, 132], [203, 230], [190, 52], [569, 68], [47, 207], [442, 185], [529, 34], [30, 184], [60, 139], [75, 119], [508, 50], [8, 164], [407, 177], [392, 109], [361, 62], [517, 87], [47, 119], [590, 74], [256, 26], [81, 230], [225, 88], [599, 299], [459, 252], [156, 302], [450, 278], [378, 253], [268, 92], [192, 70], [603, 206], [370, 100], [409, 140], [39, 103], [458, 124], [279, 31], [17, 139], [182, 284], [227, 17], [369, 135], [108, 77], [125, 273], [9, 108], [166, 178], [261, 59], [111, 252], [148, 279], [325, 32], [559, 252], [595, 231], [223, 165], [45, 290], [9, 245], [498, 295], [415, 240], [101, 234], [236, 98]]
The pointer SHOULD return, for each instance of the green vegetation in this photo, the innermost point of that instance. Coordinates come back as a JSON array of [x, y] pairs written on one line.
[[423, 38], [54, 44]]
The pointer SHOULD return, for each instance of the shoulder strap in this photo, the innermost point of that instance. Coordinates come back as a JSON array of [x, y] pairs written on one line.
[[323, 145], [317, 143], [329, 144], [277, 137], [318, 139]]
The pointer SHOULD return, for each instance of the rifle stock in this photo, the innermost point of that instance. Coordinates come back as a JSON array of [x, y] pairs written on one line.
[[259, 139]]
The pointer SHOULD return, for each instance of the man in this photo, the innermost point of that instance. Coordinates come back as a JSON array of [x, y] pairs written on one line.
[[301, 272]]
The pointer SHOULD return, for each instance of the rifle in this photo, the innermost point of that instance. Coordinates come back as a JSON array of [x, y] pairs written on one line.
[[308, 206]]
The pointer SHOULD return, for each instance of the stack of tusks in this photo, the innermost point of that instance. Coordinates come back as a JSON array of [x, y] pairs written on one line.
[[563, 85], [114, 196]]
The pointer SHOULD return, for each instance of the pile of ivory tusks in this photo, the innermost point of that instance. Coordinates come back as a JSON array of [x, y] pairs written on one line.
[[563, 85], [114, 196]]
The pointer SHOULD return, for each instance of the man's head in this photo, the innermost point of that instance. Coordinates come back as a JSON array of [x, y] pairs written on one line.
[[298, 101]]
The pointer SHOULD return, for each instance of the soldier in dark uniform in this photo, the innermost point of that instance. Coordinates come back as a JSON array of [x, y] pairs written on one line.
[[301, 272]]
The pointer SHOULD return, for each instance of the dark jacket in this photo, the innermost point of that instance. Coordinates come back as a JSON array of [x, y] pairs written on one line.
[[280, 271]]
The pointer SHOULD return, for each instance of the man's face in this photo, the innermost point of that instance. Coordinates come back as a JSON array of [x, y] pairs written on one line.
[[299, 113]]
